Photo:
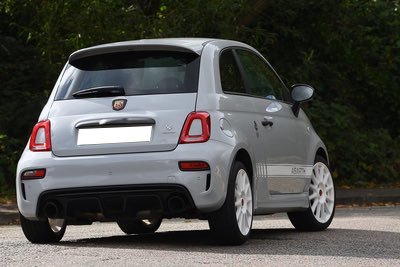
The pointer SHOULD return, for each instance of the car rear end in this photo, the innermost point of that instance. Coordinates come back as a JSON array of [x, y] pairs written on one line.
[[121, 138]]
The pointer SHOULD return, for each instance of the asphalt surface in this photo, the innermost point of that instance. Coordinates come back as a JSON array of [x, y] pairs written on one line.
[[357, 237]]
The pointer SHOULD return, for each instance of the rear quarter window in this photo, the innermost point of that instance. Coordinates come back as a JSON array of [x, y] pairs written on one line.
[[138, 72]]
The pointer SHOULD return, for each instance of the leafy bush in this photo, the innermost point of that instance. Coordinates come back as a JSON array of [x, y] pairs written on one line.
[[9, 155], [348, 50], [360, 156]]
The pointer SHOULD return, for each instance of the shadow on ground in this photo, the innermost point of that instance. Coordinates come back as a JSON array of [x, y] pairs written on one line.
[[332, 242]]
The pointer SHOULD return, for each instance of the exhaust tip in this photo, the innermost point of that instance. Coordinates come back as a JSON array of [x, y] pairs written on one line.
[[176, 204], [52, 210]]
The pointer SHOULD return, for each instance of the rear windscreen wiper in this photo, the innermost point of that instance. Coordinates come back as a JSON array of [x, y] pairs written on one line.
[[101, 91]]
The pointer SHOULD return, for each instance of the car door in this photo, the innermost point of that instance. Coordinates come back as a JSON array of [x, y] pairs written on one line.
[[238, 108], [284, 138]]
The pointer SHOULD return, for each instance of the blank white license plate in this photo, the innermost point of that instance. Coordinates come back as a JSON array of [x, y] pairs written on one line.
[[96, 136]]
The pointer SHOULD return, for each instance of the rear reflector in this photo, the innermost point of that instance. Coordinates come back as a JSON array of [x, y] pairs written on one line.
[[194, 166], [40, 137], [33, 174], [196, 128]]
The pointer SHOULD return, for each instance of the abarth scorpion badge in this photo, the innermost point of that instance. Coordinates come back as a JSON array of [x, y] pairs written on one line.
[[118, 104]]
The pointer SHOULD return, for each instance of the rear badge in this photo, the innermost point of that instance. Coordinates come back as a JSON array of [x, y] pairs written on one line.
[[118, 104]]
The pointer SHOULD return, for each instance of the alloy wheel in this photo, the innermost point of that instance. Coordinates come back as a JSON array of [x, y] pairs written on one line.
[[322, 194]]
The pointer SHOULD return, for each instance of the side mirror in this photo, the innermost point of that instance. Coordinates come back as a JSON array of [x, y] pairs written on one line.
[[300, 93]]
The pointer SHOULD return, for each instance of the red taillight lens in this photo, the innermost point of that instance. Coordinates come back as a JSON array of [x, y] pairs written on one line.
[[194, 166], [196, 128], [33, 174], [40, 137]]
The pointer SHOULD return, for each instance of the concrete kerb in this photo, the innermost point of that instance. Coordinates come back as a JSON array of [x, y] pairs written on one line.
[[367, 196], [8, 214]]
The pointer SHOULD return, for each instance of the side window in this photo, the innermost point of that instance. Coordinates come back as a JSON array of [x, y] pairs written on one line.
[[231, 80], [260, 78]]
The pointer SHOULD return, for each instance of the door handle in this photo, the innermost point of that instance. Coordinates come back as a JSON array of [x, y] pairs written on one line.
[[266, 122]]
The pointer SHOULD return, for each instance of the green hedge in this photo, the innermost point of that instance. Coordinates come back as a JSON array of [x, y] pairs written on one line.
[[348, 50]]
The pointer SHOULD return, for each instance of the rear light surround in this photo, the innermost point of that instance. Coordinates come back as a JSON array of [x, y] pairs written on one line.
[[43, 145], [33, 174], [193, 166], [205, 120]]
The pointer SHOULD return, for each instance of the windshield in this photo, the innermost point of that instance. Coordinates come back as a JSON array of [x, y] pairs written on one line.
[[138, 72]]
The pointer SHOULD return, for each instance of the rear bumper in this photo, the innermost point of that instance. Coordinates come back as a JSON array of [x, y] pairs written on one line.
[[116, 202], [205, 190]]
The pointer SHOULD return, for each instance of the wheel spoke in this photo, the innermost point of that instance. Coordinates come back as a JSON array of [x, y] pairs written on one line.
[[318, 213], [238, 211], [313, 196], [329, 188], [316, 176], [314, 205], [237, 188], [249, 206], [238, 202], [330, 198], [244, 178], [237, 193], [327, 209], [240, 222], [248, 218], [247, 188], [320, 174], [326, 178], [323, 211]]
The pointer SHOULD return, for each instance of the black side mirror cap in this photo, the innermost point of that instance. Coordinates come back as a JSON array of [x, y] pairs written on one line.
[[300, 93]]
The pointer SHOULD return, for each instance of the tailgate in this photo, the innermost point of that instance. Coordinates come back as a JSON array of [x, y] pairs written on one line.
[[148, 123]]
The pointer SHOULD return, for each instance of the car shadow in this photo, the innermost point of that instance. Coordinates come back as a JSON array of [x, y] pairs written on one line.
[[331, 242]]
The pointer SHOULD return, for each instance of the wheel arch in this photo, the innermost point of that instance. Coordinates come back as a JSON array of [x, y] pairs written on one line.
[[322, 152], [243, 156]]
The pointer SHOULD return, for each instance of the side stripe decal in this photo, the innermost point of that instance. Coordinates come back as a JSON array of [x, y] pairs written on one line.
[[283, 170]]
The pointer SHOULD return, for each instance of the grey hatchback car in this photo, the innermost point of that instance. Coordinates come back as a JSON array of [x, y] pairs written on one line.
[[138, 131]]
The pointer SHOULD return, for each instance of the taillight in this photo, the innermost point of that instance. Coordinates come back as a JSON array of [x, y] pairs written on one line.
[[40, 137], [33, 174], [196, 128], [194, 166]]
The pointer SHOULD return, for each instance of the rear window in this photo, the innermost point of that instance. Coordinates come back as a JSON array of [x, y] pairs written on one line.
[[138, 72]]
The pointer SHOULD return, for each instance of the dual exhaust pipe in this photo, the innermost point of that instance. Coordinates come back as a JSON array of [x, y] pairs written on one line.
[[176, 204], [53, 210]]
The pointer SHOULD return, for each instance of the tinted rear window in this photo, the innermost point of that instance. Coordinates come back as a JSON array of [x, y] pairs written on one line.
[[139, 73]]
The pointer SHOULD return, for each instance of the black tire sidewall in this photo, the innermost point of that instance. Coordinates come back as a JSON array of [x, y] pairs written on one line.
[[40, 231]]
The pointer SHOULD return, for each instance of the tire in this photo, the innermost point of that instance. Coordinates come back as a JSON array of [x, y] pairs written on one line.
[[231, 225], [321, 210], [147, 226], [43, 232]]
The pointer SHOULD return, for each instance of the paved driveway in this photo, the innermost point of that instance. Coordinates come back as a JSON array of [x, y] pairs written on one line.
[[357, 237]]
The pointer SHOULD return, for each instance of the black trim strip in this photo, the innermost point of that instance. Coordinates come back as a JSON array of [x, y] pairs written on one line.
[[115, 122]]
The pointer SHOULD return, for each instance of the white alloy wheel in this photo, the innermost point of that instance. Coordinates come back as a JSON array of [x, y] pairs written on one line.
[[231, 224], [56, 225], [322, 194], [243, 202]]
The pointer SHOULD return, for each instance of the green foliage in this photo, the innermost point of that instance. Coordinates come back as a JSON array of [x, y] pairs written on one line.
[[348, 50], [360, 156], [9, 155]]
